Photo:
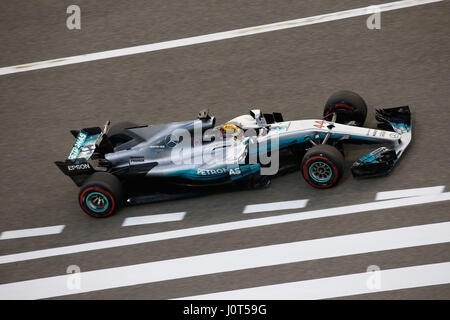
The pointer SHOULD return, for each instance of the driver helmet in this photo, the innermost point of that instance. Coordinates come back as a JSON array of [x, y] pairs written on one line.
[[231, 130]]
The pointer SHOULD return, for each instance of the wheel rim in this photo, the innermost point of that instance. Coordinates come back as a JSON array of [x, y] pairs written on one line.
[[97, 202], [320, 172]]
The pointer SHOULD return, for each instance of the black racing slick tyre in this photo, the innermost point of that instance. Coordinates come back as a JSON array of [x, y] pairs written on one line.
[[348, 107], [100, 195], [323, 166], [116, 132]]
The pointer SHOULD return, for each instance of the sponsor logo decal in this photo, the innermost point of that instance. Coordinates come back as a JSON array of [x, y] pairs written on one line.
[[82, 166], [208, 172], [77, 146], [381, 134], [171, 141]]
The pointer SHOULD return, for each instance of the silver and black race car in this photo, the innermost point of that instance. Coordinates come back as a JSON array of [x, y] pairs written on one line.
[[130, 164]]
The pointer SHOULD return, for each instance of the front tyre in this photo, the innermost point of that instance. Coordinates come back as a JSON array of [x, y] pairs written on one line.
[[323, 166], [100, 195], [348, 106]]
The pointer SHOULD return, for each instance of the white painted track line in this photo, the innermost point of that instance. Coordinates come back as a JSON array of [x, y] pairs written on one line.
[[214, 36], [33, 232], [221, 227], [386, 195], [341, 286], [272, 206], [155, 218], [231, 261]]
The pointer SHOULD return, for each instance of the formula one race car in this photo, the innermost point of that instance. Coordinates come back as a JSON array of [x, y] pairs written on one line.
[[129, 164]]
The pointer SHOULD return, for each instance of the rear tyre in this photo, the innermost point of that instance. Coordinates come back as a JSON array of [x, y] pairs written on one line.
[[100, 195], [348, 107], [323, 166], [117, 134]]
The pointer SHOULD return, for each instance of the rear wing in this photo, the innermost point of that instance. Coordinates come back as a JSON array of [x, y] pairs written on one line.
[[85, 144], [381, 161], [88, 141]]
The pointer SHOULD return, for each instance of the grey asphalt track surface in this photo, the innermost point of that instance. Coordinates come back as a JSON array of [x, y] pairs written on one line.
[[292, 71]]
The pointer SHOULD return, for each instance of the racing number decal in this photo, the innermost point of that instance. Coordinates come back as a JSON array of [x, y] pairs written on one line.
[[319, 124]]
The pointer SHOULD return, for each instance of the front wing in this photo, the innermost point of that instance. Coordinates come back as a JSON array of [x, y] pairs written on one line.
[[381, 161]]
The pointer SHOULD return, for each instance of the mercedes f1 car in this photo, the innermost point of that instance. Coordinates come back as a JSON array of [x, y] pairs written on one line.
[[129, 164]]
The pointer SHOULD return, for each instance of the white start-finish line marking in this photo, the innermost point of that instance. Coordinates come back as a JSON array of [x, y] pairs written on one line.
[[273, 206], [154, 218], [340, 286], [416, 192], [33, 232], [227, 261], [214, 36], [227, 226]]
